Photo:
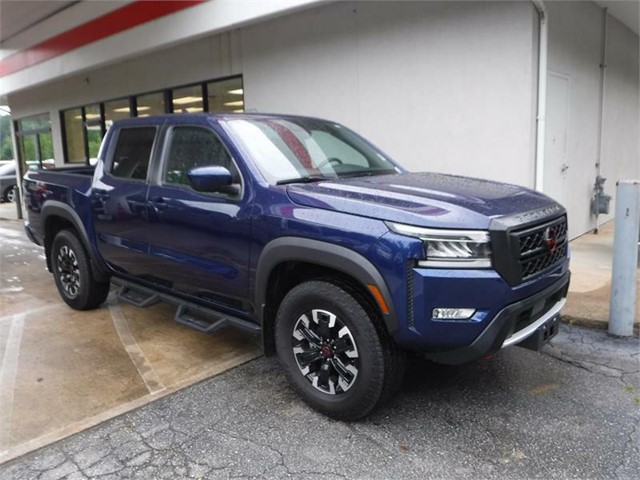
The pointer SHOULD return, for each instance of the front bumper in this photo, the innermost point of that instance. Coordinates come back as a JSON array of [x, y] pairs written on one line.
[[512, 325]]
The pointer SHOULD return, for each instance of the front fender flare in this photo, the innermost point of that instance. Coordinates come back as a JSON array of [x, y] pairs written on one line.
[[336, 257]]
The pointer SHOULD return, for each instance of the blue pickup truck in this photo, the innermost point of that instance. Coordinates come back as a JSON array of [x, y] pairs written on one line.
[[301, 231]]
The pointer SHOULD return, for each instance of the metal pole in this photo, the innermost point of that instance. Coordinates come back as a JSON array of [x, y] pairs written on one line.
[[603, 67], [19, 172], [622, 311]]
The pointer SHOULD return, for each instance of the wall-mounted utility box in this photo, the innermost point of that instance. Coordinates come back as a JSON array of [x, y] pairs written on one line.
[[600, 204]]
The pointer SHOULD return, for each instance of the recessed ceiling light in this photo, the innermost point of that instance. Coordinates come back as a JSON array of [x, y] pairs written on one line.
[[185, 100], [237, 103], [88, 116], [194, 109], [237, 91], [143, 109], [121, 110], [239, 110]]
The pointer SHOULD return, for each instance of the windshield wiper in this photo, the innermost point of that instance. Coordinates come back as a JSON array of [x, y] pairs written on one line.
[[369, 173], [305, 179]]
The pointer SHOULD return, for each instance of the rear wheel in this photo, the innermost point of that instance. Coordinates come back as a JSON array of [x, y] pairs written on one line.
[[72, 273], [333, 354]]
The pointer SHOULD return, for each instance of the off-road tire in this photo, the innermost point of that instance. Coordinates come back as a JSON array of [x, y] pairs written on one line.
[[376, 363], [72, 273]]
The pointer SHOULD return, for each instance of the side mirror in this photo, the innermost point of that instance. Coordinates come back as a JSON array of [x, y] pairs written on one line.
[[212, 179]]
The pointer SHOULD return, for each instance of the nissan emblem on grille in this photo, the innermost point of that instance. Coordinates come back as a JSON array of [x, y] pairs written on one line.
[[551, 238]]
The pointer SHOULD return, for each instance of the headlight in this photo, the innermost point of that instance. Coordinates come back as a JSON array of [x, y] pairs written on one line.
[[450, 248]]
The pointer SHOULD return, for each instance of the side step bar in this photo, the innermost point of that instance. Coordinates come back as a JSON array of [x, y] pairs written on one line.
[[189, 314], [137, 298], [208, 321]]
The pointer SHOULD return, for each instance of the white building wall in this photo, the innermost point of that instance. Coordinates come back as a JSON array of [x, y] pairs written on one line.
[[444, 87], [621, 119], [575, 34]]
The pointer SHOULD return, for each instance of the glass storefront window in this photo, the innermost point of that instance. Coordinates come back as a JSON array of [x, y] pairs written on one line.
[[85, 126], [46, 147], [188, 99], [116, 110], [34, 123], [95, 130], [150, 104], [35, 149], [74, 135], [226, 95]]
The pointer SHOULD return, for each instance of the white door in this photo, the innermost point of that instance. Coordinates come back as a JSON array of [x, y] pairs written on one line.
[[556, 163]]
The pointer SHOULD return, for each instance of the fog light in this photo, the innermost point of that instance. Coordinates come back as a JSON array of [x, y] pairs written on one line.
[[452, 313]]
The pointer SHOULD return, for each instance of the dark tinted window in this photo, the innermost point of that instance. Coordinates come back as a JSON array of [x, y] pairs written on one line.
[[195, 147], [133, 151]]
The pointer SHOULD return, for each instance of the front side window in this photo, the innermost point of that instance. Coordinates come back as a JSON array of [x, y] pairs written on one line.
[[133, 152], [297, 148], [195, 147]]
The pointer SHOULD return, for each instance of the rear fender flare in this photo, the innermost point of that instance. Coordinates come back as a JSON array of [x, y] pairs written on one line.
[[54, 208]]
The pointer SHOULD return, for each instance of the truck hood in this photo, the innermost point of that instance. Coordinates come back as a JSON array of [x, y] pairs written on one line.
[[423, 199]]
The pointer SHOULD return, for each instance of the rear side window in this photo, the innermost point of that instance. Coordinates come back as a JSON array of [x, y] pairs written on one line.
[[195, 147], [133, 151]]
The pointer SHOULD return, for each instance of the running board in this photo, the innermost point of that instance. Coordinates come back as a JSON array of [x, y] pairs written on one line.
[[207, 321], [136, 297], [189, 314]]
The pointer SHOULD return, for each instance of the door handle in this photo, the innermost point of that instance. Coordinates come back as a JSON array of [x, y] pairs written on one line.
[[564, 168], [159, 204], [101, 194]]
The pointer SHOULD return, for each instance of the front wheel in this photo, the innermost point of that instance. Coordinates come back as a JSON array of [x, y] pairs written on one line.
[[72, 273], [331, 350]]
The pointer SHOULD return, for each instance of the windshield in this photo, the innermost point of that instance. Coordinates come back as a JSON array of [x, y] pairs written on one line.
[[305, 148]]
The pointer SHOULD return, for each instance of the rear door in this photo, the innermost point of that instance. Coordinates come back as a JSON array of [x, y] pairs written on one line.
[[198, 242], [119, 196]]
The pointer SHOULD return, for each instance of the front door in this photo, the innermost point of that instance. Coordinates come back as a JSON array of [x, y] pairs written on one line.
[[198, 242]]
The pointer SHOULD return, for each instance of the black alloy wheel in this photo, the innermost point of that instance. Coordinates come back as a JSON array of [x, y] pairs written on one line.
[[325, 351], [73, 275], [68, 271], [334, 349]]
